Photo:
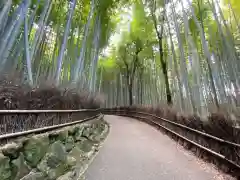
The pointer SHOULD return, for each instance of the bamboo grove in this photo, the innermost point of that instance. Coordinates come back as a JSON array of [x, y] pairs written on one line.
[[181, 52]]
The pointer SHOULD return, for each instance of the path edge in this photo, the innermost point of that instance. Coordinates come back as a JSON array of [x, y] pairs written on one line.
[[104, 135]]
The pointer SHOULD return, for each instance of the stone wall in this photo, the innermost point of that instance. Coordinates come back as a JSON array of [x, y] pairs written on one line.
[[62, 155]]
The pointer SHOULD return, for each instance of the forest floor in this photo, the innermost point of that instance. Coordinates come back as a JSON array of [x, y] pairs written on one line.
[[137, 151]]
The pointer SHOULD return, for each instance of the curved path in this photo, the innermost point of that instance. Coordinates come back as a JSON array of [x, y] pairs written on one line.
[[137, 151]]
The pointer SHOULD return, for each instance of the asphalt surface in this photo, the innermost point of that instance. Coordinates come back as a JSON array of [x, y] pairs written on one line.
[[137, 151]]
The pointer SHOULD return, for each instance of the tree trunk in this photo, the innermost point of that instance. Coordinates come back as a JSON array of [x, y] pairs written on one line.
[[163, 63], [141, 87], [164, 70], [64, 42], [130, 94]]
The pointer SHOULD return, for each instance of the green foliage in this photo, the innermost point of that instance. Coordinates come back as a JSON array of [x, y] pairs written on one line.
[[136, 38]]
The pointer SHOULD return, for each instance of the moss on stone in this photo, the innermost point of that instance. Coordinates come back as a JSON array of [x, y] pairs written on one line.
[[78, 132], [58, 150], [68, 176], [35, 176], [5, 168], [11, 150], [69, 144], [76, 153], [85, 145], [19, 167], [60, 135], [56, 162], [53, 167], [100, 133], [87, 131], [35, 148]]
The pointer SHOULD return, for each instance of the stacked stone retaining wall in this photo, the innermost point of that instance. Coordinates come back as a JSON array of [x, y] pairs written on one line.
[[63, 154]]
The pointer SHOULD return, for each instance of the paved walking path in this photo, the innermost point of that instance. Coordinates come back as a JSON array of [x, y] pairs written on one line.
[[137, 151]]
